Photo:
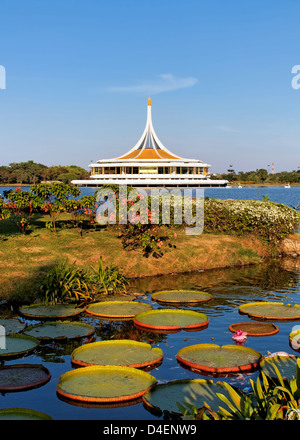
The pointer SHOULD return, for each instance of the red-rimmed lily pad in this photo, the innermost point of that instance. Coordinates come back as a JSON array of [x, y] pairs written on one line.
[[215, 359], [271, 311], [50, 311], [60, 330], [287, 366], [21, 377], [118, 352], [117, 309], [171, 319], [16, 345], [255, 328], [12, 325], [165, 397], [104, 384], [22, 414], [181, 297]]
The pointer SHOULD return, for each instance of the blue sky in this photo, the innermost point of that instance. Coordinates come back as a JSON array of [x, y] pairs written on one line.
[[78, 74]]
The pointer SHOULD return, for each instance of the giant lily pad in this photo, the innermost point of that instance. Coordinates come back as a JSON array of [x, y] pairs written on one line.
[[287, 366], [60, 330], [55, 311], [21, 377], [255, 328], [118, 352], [22, 414], [165, 397], [16, 345], [211, 358], [171, 319], [12, 325], [272, 311], [181, 296], [117, 309], [102, 384]]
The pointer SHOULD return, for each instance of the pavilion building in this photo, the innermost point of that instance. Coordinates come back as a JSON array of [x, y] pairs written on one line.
[[150, 164]]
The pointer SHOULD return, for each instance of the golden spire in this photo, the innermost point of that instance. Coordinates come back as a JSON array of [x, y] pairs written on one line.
[[149, 99]]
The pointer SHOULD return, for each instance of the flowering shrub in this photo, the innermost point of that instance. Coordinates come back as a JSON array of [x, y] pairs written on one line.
[[270, 221], [150, 238], [21, 205], [54, 199]]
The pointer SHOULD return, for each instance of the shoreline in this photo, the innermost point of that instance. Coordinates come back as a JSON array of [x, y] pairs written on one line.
[[233, 185], [25, 260]]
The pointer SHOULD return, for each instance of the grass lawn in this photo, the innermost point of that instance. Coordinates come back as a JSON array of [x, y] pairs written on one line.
[[24, 260]]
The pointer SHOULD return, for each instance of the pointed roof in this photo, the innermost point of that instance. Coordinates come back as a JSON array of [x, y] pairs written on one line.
[[149, 146]]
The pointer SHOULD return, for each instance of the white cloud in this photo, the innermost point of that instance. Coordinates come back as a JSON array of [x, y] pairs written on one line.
[[164, 83]]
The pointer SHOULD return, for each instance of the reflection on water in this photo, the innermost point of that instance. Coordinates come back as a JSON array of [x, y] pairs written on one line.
[[274, 281]]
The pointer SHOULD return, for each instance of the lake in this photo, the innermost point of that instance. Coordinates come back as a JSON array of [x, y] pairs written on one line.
[[276, 281], [278, 194]]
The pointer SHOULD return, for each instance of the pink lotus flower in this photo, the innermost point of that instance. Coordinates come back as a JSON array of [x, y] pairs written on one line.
[[239, 336]]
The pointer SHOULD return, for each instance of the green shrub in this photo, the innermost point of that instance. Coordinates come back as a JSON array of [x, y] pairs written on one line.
[[270, 221], [67, 283], [109, 279], [22, 205]]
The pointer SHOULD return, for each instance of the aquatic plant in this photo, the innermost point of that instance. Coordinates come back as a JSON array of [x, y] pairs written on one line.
[[271, 399]]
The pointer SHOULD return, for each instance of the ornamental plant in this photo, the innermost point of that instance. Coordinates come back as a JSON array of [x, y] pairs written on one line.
[[54, 199], [66, 283], [270, 221], [22, 206], [271, 399]]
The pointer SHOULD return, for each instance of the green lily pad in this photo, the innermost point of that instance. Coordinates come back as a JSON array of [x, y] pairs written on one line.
[[56, 311], [12, 325], [22, 414], [211, 358], [272, 311], [171, 319], [166, 397], [104, 384], [22, 377], [60, 330], [118, 352], [287, 366], [181, 296], [117, 309], [16, 345]]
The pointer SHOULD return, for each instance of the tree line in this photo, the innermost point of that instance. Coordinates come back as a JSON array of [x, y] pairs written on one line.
[[260, 176], [31, 173]]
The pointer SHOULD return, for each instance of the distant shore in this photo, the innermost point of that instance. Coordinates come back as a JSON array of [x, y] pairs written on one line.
[[232, 184]]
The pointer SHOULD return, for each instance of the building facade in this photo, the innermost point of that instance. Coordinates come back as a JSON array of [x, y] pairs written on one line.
[[150, 164]]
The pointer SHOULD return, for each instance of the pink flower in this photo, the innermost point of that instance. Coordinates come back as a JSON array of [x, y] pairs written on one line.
[[239, 336]]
